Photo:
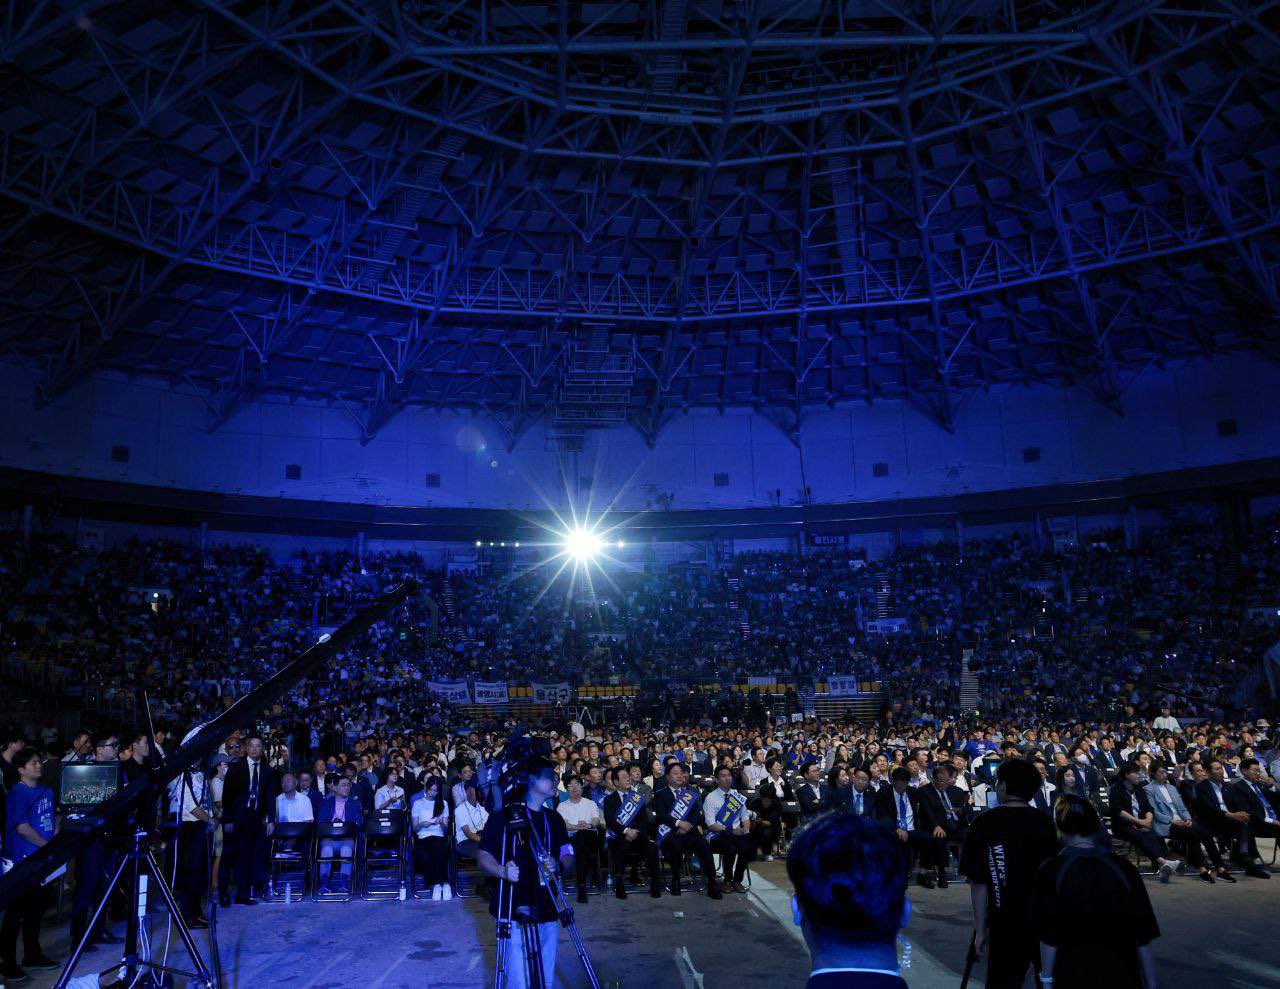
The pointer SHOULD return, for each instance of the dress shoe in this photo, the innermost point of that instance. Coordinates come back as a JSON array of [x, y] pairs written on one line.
[[40, 963], [13, 975], [1226, 877], [1257, 871], [713, 890], [654, 891], [247, 901], [106, 937], [198, 923], [943, 883], [1207, 877], [925, 880]]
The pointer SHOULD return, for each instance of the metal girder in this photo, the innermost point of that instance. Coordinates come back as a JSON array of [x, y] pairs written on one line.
[[198, 227], [937, 402], [1102, 376], [804, 288], [1197, 162], [502, 189]]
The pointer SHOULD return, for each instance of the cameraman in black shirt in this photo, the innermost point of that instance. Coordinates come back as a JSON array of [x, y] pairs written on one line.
[[507, 853], [1002, 855]]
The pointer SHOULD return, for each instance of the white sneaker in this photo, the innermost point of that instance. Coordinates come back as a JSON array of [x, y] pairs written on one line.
[[446, 892], [767, 858], [1166, 871], [435, 892]]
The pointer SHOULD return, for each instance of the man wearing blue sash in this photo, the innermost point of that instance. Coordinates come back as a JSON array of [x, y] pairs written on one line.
[[679, 812], [729, 829], [628, 824]]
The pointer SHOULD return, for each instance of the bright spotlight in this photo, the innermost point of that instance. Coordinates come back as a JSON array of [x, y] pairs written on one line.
[[582, 544], [621, 544]]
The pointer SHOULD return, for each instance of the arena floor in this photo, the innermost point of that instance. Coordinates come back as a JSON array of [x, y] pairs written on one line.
[[1220, 935]]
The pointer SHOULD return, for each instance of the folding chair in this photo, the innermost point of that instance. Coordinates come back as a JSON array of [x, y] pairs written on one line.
[[320, 865], [288, 858], [382, 863], [464, 885]]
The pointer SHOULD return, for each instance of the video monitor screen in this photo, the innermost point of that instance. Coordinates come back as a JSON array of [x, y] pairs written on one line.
[[88, 784]]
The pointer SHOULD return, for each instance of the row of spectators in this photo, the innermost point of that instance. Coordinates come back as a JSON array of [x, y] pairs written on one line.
[[1094, 628], [1174, 788]]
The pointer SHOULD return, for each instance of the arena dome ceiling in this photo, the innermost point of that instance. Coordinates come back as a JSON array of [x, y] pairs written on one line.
[[592, 213]]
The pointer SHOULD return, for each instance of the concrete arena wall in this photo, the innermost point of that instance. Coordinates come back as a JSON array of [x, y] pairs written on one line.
[[701, 460]]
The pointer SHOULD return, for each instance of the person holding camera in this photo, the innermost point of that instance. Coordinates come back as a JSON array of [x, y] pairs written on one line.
[[523, 896]]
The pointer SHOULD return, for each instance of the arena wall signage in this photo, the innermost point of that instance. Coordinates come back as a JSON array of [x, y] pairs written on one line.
[[486, 692], [453, 691], [552, 693], [842, 686]]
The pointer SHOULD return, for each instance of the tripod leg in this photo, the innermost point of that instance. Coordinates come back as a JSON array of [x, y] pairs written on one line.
[[183, 930], [65, 977]]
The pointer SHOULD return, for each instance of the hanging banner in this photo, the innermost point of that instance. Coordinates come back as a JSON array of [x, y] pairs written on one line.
[[886, 626], [761, 681], [453, 691], [842, 686], [552, 693], [490, 693]]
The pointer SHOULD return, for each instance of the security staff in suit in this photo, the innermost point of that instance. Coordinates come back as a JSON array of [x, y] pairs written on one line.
[[248, 818], [628, 822], [944, 810], [898, 807], [678, 811]]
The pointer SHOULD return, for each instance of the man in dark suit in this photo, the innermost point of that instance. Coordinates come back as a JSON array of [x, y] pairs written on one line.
[[1254, 794], [1209, 807], [944, 810], [1251, 794], [628, 820], [248, 818], [1133, 820], [1087, 774], [814, 795], [862, 800], [898, 807], [678, 811], [1107, 761], [849, 877]]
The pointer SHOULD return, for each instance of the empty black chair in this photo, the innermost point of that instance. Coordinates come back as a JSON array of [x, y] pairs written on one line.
[[383, 861], [289, 860]]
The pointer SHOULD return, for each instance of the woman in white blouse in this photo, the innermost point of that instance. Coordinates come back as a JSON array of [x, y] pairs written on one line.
[[390, 795], [430, 816]]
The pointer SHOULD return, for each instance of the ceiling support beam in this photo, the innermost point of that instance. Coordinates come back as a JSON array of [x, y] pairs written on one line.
[[1101, 376], [936, 401], [1196, 161], [67, 372]]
